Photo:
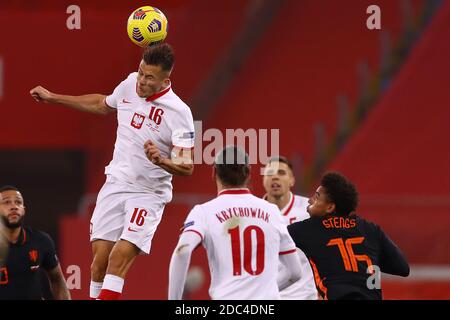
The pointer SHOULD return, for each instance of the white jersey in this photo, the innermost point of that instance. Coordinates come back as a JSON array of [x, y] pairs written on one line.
[[162, 118], [305, 288], [243, 236]]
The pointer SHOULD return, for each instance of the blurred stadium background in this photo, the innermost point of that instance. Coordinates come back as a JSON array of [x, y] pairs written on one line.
[[372, 104]]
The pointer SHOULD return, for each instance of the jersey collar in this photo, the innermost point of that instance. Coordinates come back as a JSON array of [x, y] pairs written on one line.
[[22, 237], [158, 95], [285, 211], [234, 191]]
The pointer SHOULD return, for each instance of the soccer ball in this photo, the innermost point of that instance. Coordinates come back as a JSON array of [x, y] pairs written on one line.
[[147, 26]]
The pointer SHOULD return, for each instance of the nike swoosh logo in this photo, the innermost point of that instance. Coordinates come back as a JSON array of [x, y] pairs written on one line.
[[125, 101], [132, 230]]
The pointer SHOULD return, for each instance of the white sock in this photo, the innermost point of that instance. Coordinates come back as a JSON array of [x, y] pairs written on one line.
[[94, 289], [113, 283]]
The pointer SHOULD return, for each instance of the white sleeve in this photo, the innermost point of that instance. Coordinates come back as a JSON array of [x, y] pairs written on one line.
[[287, 245], [179, 264], [290, 270], [183, 132], [112, 100], [195, 223]]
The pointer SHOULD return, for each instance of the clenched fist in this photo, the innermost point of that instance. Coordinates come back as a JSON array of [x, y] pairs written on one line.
[[41, 94], [152, 152]]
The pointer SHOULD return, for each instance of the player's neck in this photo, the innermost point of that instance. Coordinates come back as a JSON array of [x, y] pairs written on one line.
[[12, 234], [281, 201], [221, 187]]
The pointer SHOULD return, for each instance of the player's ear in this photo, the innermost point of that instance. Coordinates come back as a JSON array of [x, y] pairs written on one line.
[[331, 207]]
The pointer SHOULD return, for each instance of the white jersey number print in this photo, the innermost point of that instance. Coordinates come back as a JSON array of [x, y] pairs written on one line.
[[243, 236]]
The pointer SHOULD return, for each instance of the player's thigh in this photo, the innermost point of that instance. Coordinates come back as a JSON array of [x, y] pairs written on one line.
[[143, 215], [107, 219]]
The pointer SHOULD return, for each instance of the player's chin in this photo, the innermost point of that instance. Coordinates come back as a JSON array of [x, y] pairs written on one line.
[[277, 192], [142, 95]]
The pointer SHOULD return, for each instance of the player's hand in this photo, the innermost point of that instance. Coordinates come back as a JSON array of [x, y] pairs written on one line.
[[41, 94], [152, 152]]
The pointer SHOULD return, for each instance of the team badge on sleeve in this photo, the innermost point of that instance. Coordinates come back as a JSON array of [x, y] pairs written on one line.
[[187, 225], [183, 138]]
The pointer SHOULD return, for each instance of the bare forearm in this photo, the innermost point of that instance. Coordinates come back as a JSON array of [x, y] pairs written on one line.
[[58, 284], [92, 103], [59, 290], [176, 169], [3, 244]]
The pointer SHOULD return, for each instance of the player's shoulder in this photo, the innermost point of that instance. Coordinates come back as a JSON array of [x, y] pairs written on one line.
[[38, 236], [300, 207], [250, 200], [171, 99], [303, 226], [130, 80], [128, 84], [300, 199], [198, 209], [366, 224], [264, 203], [132, 77]]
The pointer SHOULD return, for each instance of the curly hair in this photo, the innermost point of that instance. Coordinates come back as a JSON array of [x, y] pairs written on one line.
[[341, 192]]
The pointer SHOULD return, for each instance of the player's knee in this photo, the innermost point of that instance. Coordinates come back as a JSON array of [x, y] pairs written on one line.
[[98, 270]]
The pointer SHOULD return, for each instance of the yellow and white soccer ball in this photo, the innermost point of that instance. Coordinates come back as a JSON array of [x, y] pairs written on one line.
[[147, 26]]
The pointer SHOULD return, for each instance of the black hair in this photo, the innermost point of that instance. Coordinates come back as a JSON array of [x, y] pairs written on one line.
[[232, 166], [341, 192], [8, 188], [160, 55]]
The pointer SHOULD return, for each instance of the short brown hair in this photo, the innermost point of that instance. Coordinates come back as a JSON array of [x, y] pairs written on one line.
[[282, 160], [160, 55], [232, 166]]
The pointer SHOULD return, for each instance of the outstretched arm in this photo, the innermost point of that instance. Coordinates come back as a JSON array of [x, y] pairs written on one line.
[[179, 264], [92, 103]]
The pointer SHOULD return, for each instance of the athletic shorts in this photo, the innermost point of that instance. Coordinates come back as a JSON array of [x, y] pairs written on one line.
[[122, 212]]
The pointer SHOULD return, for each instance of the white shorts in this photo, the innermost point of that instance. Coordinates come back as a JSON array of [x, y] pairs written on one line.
[[122, 212]]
